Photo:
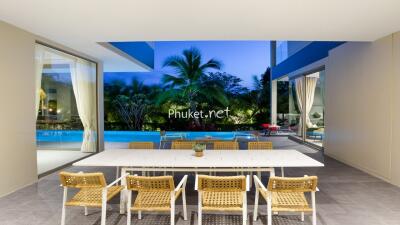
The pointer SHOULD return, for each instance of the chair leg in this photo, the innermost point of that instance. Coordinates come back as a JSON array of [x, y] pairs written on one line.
[[139, 215], [123, 195], [302, 216], [184, 205], [63, 206], [269, 211], [199, 222], [128, 208], [255, 213], [250, 174], [282, 172], [244, 216], [314, 219], [63, 215], [244, 208], [172, 202], [173, 216], [103, 206], [86, 211], [117, 172], [314, 208], [122, 202]]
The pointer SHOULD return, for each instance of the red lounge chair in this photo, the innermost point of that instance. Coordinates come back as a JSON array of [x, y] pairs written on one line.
[[273, 129], [265, 127]]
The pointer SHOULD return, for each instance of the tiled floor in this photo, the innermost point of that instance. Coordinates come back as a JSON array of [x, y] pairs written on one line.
[[51, 159], [347, 197]]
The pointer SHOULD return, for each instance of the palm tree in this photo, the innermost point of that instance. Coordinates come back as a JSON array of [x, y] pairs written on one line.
[[42, 97], [187, 83]]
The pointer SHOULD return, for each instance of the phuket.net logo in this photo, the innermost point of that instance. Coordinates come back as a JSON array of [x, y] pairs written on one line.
[[190, 114]]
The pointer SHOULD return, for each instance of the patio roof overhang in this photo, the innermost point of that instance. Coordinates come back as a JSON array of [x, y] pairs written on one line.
[[311, 53], [141, 52]]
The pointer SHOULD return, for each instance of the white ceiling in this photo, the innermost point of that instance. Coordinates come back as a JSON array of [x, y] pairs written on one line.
[[80, 24]]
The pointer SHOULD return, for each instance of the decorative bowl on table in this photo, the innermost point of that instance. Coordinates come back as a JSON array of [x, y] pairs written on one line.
[[199, 149]]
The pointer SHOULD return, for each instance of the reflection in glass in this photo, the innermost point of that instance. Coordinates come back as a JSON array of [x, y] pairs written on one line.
[[283, 102], [65, 101], [316, 108], [294, 108]]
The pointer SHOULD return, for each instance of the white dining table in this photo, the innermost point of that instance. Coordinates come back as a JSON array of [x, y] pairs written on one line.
[[128, 160], [185, 160]]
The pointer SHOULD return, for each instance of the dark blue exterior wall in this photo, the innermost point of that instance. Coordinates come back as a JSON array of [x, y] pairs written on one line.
[[311, 53], [141, 51]]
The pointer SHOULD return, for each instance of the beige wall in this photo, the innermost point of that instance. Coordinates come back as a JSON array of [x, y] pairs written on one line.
[[18, 166], [17, 117], [362, 101], [395, 160]]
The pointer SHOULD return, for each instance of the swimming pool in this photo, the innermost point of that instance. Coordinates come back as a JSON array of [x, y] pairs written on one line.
[[131, 136]]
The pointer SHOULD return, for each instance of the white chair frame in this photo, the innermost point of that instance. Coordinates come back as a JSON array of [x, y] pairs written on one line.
[[182, 184], [103, 200], [200, 205], [259, 185]]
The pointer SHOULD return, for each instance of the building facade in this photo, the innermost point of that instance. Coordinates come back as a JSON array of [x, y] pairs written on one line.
[[347, 93]]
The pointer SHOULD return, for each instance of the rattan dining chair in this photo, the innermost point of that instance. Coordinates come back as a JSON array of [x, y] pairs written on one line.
[[155, 194], [93, 192], [285, 194], [222, 194], [141, 145], [145, 146], [226, 145], [259, 145], [182, 145]]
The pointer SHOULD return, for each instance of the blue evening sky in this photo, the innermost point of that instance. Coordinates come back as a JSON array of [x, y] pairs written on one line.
[[240, 58]]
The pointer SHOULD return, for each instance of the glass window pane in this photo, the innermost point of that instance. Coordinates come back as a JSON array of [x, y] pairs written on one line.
[[316, 108], [295, 124], [66, 101]]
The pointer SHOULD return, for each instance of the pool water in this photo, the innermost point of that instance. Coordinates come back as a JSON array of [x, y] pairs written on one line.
[[131, 136]]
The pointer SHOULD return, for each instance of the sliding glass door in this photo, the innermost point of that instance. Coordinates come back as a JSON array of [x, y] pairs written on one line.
[[307, 107], [315, 108], [66, 101], [295, 124]]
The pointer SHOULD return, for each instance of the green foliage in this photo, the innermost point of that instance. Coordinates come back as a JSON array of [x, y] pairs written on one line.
[[187, 82], [229, 83], [316, 115], [199, 147], [283, 96], [194, 84]]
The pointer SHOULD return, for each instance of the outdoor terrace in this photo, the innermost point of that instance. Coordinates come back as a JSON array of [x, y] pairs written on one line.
[[347, 196]]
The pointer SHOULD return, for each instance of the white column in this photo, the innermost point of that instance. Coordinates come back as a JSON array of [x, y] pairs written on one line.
[[274, 84], [274, 100]]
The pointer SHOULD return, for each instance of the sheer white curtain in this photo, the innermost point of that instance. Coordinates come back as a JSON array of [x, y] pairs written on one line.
[[311, 83], [305, 94], [83, 76], [300, 99], [39, 58]]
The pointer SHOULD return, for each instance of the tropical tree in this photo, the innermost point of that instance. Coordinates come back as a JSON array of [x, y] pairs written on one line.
[[131, 103], [187, 85], [42, 96], [230, 83], [132, 110], [262, 96]]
